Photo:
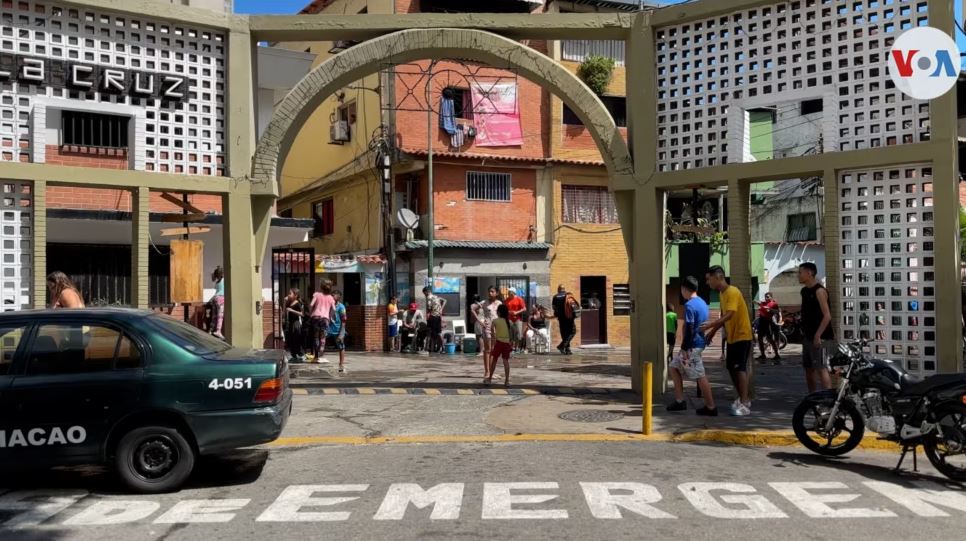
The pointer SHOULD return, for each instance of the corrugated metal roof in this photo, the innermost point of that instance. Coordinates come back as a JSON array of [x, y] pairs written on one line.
[[478, 245]]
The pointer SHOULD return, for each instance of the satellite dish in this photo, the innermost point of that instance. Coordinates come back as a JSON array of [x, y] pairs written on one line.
[[407, 219]]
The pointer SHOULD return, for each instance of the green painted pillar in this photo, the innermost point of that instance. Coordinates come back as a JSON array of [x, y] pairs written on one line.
[[40, 244], [140, 235], [243, 324], [830, 239], [945, 171]]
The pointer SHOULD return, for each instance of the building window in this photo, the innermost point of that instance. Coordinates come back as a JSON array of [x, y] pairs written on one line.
[[622, 300], [801, 227], [588, 205], [94, 129], [323, 215], [462, 101], [812, 106], [347, 112], [616, 106], [488, 186]]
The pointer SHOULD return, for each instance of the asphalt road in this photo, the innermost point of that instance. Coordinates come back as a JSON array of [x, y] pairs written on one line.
[[535, 490]]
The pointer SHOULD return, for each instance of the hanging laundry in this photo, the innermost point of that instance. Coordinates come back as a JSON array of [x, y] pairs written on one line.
[[447, 112], [458, 138]]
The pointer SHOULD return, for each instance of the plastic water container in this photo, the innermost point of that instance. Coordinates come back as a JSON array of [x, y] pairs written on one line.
[[451, 348]]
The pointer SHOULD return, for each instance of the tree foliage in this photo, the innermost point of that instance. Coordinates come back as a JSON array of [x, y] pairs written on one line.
[[596, 71]]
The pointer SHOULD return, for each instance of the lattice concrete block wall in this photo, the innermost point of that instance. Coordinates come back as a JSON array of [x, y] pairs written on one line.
[[887, 289], [777, 53], [16, 236], [187, 137]]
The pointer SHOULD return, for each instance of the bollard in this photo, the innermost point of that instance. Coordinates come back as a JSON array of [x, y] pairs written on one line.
[[647, 399]]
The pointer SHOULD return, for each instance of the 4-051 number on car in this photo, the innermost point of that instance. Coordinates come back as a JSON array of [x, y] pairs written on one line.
[[229, 384]]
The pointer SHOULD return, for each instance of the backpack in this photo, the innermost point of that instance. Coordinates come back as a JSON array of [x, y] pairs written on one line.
[[571, 307]]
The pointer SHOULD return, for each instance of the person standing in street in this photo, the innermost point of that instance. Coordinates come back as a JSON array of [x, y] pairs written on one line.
[[217, 301], [517, 308], [671, 328], [477, 318], [816, 328], [490, 312], [566, 310], [434, 318], [294, 311], [737, 323], [392, 329], [688, 362], [768, 312], [320, 311], [502, 347], [335, 334]]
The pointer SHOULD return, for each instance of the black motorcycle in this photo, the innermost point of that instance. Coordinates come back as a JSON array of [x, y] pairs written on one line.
[[899, 407]]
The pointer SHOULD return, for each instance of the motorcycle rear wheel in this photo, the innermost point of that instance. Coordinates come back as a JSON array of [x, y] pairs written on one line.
[[809, 421], [947, 453]]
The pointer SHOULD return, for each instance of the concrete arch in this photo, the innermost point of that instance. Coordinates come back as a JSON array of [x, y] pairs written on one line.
[[411, 45]]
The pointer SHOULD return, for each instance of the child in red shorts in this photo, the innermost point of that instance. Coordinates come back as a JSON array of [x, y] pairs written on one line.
[[503, 346]]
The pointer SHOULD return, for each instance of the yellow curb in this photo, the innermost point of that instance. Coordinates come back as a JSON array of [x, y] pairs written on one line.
[[330, 391], [501, 392], [366, 390], [397, 390], [464, 391], [300, 391], [434, 392], [530, 392], [728, 437]]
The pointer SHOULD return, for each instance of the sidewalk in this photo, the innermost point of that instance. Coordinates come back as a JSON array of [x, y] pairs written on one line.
[[587, 393]]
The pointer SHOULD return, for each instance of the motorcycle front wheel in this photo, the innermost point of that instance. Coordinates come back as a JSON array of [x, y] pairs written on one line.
[[811, 417], [946, 448]]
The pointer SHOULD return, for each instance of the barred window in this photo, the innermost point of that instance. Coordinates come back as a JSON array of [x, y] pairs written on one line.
[[622, 300], [801, 227], [588, 205], [488, 186], [94, 129]]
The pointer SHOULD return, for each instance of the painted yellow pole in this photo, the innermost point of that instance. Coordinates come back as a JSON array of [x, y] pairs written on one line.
[[646, 406]]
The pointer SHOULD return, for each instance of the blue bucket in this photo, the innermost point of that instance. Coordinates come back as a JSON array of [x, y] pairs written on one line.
[[451, 349]]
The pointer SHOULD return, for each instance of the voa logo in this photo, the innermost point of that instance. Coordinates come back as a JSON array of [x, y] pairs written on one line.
[[924, 63]]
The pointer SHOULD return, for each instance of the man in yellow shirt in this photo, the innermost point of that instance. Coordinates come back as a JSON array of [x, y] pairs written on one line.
[[737, 323]]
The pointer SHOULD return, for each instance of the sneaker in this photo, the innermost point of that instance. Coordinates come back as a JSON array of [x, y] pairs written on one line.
[[741, 411], [705, 412], [323, 360], [677, 406], [342, 370], [218, 335]]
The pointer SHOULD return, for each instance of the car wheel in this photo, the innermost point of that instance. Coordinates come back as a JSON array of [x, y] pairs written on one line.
[[154, 459]]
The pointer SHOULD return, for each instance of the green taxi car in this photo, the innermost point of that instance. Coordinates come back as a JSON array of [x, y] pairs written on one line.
[[139, 391]]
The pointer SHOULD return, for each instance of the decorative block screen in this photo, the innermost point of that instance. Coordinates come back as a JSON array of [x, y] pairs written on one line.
[[185, 137], [780, 53], [887, 288], [16, 244]]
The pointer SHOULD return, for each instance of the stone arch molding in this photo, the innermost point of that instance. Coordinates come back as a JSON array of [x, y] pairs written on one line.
[[410, 45]]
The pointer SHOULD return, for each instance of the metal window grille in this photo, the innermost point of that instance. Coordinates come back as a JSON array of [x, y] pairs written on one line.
[[488, 186], [577, 50], [801, 227], [94, 129], [622, 299], [588, 205]]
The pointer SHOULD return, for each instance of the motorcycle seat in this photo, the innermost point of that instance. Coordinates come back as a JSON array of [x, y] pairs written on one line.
[[932, 382]]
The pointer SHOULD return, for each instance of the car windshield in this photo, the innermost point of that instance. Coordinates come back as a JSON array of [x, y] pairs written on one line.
[[188, 337]]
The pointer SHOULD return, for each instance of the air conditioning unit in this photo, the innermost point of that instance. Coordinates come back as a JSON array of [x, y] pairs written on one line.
[[339, 132]]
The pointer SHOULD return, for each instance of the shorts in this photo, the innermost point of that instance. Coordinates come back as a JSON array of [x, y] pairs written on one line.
[[501, 349], [671, 337], [435, 324], [518, 325], [736, 358], [815, 357], [695, 367], [393, 330], [332, 340]]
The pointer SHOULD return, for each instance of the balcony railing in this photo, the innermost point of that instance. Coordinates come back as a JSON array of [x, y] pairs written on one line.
[[577, 50]]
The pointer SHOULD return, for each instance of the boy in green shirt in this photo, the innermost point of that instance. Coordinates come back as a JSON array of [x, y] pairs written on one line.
[[671, 319]]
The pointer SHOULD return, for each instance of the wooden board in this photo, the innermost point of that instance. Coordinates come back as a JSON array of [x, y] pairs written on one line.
[[180, 204], [184, 231], [187, 271]]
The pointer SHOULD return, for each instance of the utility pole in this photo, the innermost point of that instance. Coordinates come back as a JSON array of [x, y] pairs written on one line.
[[429, 170]]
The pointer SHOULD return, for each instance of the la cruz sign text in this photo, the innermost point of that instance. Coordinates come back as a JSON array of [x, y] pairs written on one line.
[[92, 78]]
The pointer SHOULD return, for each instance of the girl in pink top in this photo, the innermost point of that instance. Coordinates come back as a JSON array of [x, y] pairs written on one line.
[[320, 314]]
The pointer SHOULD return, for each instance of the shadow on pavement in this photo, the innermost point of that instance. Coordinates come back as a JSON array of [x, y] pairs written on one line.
[[236, 468], [865, 469]]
